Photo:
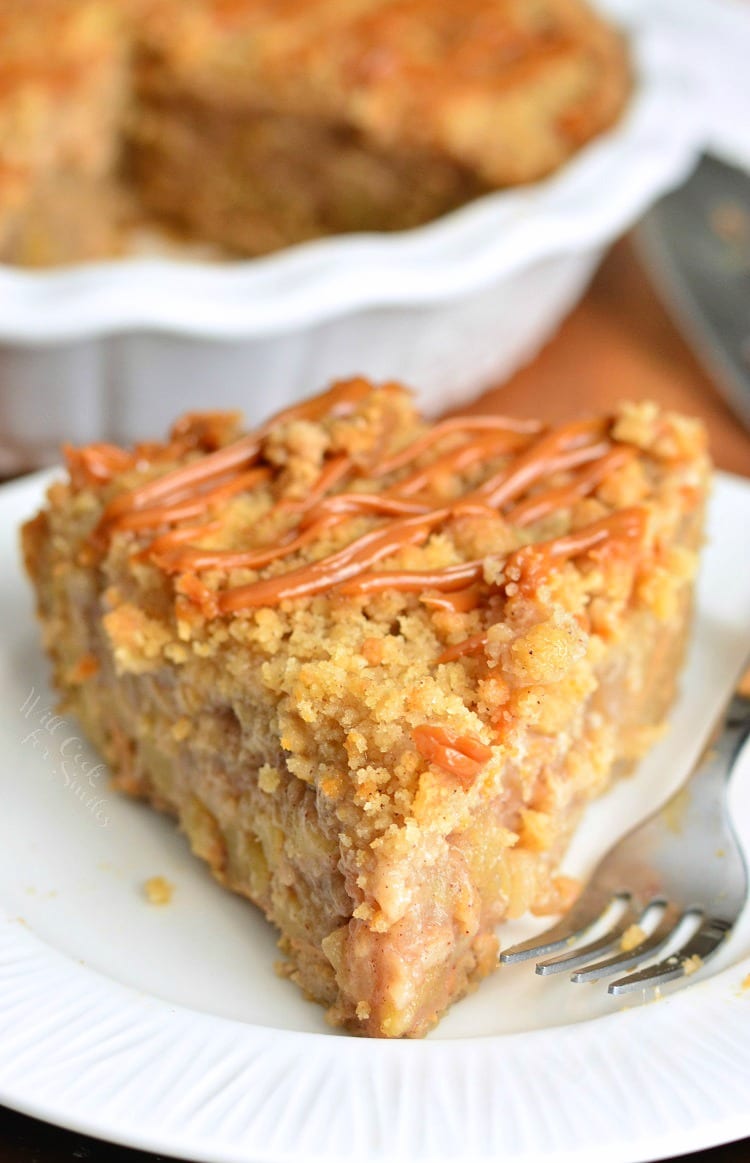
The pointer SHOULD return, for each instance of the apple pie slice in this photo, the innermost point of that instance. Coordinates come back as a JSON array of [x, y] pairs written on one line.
[[376, 668]]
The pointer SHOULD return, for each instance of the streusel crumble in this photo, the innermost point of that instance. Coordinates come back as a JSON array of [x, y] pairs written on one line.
[[376, 668]]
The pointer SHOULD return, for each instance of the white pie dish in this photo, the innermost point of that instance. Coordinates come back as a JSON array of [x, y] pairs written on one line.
[[115, 350]]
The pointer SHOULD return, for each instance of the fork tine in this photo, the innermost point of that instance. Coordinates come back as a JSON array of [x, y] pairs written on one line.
[[654, 858], [583, 953], [623, 960], [588, 910], [703, 944]]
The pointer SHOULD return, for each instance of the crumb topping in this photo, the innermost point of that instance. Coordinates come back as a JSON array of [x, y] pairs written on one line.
[[413, 598]]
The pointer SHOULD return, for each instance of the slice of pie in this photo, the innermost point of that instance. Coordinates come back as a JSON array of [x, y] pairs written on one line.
[[376, 668]]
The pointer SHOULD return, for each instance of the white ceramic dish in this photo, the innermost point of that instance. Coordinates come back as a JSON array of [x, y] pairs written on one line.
[[117, 350], [166, 1028]]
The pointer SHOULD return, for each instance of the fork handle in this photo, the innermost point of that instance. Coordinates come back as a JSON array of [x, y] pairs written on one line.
[[706, 811], [733, 732]]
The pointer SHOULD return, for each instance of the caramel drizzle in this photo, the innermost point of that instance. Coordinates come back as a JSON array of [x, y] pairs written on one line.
[[181, 482], [195, 560], [451, 577], [557, 451], [462, 756], [163, 545], [533, 560], [535, 508], [329, 513], [206, 431], [194, 490], [96, 464], [473, 645], [307, 580], [459, 425], [334, 472], [530, 563], [356, 557], [456, 461], [380, 504], [183, 509], [459, 601], [607, 534]]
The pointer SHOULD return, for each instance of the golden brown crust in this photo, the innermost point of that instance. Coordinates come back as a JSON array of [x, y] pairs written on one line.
[[388, 771]]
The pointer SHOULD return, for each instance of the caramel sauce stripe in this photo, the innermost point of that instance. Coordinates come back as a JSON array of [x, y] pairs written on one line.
[[460, 425], [527, 566], [321, 575], [460, 755], [192, 492]]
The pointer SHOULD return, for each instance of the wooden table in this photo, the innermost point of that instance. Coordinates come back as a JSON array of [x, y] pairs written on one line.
[[618, 343]]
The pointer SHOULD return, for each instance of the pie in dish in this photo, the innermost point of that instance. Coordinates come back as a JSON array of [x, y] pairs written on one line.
[[253, 125], [288, 121], [376, 668]]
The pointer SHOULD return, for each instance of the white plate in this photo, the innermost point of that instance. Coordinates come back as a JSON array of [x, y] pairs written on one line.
[[167, 1029]]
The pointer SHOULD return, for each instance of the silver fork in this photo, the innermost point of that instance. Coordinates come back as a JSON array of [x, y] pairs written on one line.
[[674, 886]]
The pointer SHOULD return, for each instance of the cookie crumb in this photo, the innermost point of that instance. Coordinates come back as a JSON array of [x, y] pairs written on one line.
[[632, 938], [158, 890]]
